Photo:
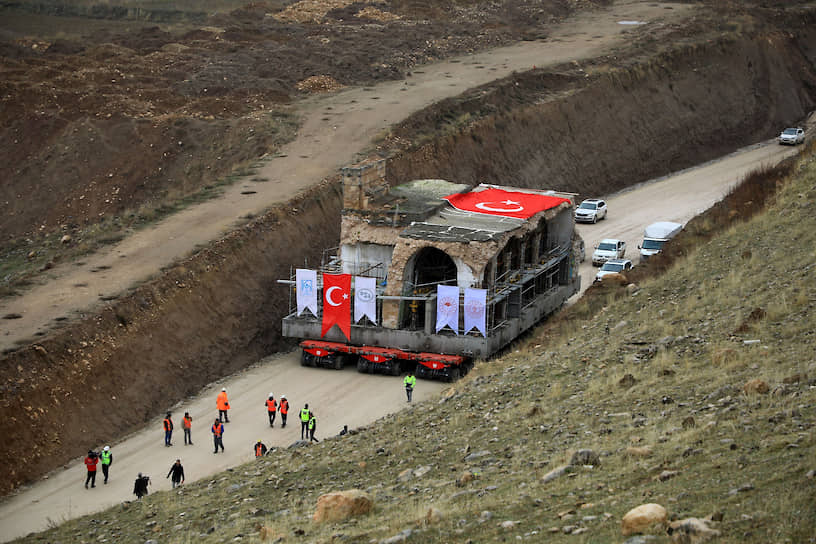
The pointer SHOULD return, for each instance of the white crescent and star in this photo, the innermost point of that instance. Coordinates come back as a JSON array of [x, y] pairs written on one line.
[[491, 206], [329, 292]]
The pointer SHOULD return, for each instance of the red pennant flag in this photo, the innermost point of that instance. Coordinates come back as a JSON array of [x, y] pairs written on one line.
[[337, 303], [505, 203]]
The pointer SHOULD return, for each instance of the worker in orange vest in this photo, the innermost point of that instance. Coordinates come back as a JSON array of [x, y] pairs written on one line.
[[260, 449], [168, 430], [218, 435], [187, 425], [271, 407], [222, 403], [284, 409]]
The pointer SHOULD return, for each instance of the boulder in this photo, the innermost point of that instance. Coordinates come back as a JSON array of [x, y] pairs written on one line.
[[585, 457], [340, 505], [643, 517], [636, 451], [614, 279]]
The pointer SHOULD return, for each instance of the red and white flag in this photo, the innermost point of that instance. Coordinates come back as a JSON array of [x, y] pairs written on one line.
[[475, 315], [337, 303], [505, 203], [447, 307]]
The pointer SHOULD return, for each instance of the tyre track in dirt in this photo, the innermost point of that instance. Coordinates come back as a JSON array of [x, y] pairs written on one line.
[[335, 128]]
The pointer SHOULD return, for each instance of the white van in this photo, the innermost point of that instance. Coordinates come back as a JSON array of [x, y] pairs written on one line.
[[655, 236]]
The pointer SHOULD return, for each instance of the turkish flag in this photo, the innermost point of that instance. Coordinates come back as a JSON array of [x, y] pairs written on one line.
[[494, 201], [337, 303]]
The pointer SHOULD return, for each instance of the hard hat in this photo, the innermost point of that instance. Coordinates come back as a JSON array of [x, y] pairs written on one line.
[[283, 396], [223, 389], [270, 394], [107, 448]]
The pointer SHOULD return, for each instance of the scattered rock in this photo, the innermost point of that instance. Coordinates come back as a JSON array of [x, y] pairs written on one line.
[[755, 386], [585, 457], [508, 524], [298, 444], [667, 475], [555, 473], [642, 518], [688, 423], [465, 478], [614, 279], [640, 539], [627, 381], [341, 505], [405, 475], [268, 533], [66, 239], [636, 451], [690, 531], [741, 489], [477, 455], [433, 515], [401, 537]]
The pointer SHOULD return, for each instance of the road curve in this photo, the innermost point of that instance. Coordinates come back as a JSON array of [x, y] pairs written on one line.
[[338, 397], [334, 129]]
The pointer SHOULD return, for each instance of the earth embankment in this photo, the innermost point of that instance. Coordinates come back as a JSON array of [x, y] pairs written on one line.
[[590, 129]]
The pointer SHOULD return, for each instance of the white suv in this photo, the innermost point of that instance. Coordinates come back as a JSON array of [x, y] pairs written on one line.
[[609, 248], [792, 136], [591, 210]]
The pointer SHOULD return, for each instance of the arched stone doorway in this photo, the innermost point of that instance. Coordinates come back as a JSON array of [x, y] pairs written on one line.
[[425, 270]]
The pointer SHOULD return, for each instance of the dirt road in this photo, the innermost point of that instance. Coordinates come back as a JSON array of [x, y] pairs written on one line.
[[676, 198], [338, 398], [335, 128]]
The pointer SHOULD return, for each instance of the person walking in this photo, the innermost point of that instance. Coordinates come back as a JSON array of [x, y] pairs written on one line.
[[106, 459], [218, 435], [312, 427], [271, 407], [91, 460], [260, 449], [222, 403], [409, 382], [284, 410], [168, 430], [304, 421], [140, 486], [187, 427], [177, 471]]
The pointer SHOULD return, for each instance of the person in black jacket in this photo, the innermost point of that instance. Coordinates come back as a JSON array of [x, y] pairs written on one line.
[[140, 487], [178, 473]]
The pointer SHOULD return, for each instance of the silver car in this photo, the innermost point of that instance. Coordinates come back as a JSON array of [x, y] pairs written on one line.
[[591, 210]]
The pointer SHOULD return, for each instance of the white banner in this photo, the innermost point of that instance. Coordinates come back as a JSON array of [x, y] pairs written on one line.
[[447, 307], [365, 298], [306, 288], [475, 315]]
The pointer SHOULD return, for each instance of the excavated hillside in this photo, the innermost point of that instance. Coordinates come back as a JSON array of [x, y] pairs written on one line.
[[591, 128]]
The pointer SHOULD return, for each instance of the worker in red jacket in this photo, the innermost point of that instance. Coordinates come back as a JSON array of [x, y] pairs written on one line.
[[271, 407], [91, 460]]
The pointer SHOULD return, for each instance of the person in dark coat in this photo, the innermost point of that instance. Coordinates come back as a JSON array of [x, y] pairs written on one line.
[[140, 486], [91, 460], [177, 471]]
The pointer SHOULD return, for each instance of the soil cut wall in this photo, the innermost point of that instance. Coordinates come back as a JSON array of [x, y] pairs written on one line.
[[590, 132]]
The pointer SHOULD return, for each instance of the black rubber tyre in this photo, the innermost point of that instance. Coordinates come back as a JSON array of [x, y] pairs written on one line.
[[306, 359], [362, 365], [337, 363], [453, 374]]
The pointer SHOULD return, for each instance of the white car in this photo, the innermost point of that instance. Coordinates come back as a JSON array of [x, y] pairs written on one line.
[[609, 248], [591, 210], [613, 266], [792, 136]]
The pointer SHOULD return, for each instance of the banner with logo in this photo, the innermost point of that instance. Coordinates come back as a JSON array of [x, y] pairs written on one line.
[[494, 201], [365, 298], [475, 314], [306, 289], [447, 307], [337, 303]]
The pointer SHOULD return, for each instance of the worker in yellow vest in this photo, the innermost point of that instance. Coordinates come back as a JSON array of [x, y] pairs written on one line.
[[409, 382], [304, 422]]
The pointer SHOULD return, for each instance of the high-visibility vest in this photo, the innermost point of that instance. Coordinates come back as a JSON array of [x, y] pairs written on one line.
[[168, 424], [106, 457], [270, 405], [218, 429], [410, 381], [304, 414], [312, 423], [187, 422], [258, 449], [221, 401], [284, 406]]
